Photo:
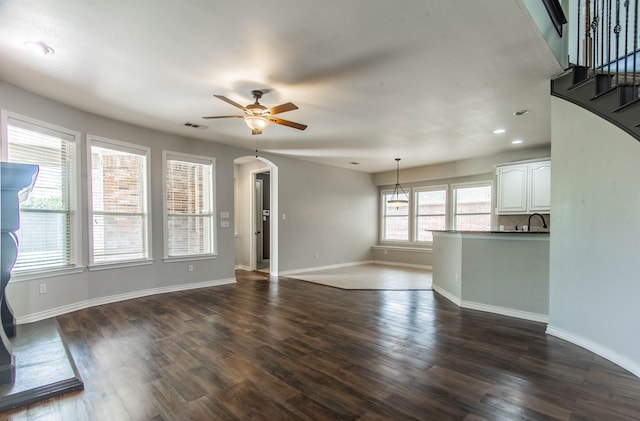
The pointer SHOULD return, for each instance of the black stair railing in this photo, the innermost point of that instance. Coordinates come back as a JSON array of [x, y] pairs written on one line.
[[604, 77], [607, 46]]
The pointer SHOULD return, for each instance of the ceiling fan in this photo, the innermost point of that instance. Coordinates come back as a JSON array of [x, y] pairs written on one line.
[[257, 116]]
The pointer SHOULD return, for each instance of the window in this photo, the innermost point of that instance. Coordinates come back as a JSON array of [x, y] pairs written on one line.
[[431, 212], [189, 211], [119, 217], [395, 220], [472, 207], [48, 218]]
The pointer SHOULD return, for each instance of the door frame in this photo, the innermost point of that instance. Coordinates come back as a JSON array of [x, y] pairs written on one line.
[[273, 220], [258, 195]]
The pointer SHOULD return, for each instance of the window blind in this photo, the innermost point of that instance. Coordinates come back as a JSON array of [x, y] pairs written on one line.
[[118, 203], [431, 213], [189, 195], [46, 217], [396, 220], [473, 208]]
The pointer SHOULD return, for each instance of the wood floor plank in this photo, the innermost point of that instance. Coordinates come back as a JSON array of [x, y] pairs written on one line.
[[277, 348]]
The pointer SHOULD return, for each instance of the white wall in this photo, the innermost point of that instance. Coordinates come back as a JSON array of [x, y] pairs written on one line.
[[594, 252], [71, 291], [330, 211]]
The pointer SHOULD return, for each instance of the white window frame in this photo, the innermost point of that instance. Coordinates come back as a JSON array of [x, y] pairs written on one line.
[[415, 215], [75, 215], [197, 159], [144, 151], [455, 186], [383, 219]]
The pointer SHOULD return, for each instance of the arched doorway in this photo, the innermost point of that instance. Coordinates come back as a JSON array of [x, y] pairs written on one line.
[[256, 215]]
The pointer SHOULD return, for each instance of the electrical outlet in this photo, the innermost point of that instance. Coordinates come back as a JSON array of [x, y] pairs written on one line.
[[190, 268], [43, 288], [385, 251], [317, 255]]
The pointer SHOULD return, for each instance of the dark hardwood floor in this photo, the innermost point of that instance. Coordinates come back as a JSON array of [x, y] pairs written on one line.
[[291, 350]]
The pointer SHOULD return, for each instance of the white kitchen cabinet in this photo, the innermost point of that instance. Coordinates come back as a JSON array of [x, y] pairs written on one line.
[[524, 187], [539, 186]]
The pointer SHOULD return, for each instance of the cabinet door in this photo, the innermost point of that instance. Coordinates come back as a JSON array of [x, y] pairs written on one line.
[[540, 186], [512, 188]]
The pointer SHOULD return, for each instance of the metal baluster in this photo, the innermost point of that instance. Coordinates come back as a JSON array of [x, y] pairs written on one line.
[[635, 50], [594, 29], [617, 30], [626, 39], [587, 34], [609, 38], [602, 15], [578, 37]]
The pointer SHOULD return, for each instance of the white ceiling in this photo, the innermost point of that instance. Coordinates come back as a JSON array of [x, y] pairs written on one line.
[[424, 80]]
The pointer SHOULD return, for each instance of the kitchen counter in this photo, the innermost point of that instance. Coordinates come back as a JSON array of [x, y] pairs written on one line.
[[504, 272]]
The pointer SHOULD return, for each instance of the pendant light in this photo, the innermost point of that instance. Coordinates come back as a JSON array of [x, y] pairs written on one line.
[[399, 196]]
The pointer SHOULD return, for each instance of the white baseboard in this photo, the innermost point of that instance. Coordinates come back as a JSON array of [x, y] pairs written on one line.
[[312, 269], [596, 348], [242, 267], [446, 294], [34, 317], [504, 311]]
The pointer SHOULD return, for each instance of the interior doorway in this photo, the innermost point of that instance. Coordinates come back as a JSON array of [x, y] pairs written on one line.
[[256, 214], [262, 218]]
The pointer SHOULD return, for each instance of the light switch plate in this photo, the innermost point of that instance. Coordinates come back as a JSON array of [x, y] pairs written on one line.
[[224, 224], [224, 215]]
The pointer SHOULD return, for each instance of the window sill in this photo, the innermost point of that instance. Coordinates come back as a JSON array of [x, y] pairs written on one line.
[[190, 258], [118, 265], [50, 273], [427, 248]]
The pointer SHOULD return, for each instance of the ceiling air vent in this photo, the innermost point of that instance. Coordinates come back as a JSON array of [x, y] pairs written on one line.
[[196, 126]]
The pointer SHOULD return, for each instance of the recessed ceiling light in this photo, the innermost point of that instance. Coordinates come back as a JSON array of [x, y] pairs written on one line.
[[499, 131], [39, 47], [521, 112], [516, 142]]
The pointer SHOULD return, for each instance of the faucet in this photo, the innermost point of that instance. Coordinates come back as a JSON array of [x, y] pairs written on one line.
[[544, 224]]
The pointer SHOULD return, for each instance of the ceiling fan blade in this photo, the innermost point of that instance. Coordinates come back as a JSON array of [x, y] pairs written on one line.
[[228, 101], [224, 116], [283, 108], [287, 123]]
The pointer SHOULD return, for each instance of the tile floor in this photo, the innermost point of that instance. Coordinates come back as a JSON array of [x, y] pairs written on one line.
[[370, 276]]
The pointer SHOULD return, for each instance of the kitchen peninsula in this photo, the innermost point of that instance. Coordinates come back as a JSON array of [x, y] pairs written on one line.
[[495, 271]]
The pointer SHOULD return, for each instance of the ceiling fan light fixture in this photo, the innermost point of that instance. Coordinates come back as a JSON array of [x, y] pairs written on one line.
[[256, 122]]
